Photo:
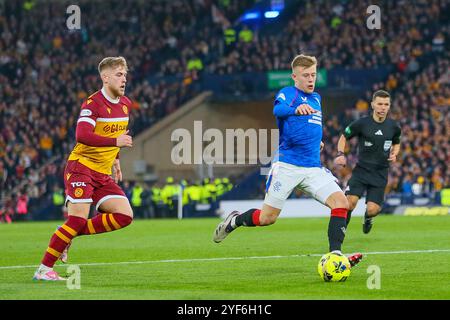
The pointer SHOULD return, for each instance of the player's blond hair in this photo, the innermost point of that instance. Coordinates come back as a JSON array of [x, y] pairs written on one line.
[[111, 63], [304, 61]]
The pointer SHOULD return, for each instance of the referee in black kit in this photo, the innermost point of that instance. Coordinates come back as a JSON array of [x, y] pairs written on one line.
[[378, 144]]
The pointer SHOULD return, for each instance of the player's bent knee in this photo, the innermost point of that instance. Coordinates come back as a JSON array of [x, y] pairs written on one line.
[[352, 205], [338, 200], [268, 219], [373, 209]]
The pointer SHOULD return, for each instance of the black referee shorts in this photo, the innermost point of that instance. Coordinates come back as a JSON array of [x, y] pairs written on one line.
[[371, 182]]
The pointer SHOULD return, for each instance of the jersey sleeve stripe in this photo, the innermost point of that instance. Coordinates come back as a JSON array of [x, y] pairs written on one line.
[[293, 100], [88, 120], [112, 119]]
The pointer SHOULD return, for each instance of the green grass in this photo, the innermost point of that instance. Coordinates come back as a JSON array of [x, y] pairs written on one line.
[[290, 275]]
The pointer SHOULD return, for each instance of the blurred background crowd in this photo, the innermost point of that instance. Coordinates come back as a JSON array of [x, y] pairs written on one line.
[[47, 71]]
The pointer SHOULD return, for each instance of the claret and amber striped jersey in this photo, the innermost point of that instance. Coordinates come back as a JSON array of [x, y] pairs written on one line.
[[109, 119]]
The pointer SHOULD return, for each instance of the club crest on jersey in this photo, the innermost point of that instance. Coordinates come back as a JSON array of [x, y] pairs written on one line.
[[78, 192], [125, 109], [387, 145]]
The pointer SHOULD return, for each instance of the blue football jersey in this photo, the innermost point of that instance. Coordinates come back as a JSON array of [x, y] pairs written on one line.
[[300, 135]]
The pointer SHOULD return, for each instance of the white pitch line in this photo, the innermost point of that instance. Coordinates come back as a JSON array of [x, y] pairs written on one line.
[[230, 258]]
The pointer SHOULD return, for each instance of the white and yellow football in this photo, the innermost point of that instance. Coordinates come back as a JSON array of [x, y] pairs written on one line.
[[334, 267]]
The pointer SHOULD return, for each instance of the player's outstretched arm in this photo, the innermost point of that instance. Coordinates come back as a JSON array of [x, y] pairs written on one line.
[[85, 134], [304, 109], [394, 153], [124, 140], [282, 110], [340, 157], [117, 172]]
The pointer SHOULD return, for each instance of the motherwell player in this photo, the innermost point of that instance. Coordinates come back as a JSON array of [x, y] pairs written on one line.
[[378, 145], [100, 133]]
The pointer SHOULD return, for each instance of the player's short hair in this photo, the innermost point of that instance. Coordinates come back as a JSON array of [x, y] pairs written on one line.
[[112, 62], [304, 61], [381, 94]]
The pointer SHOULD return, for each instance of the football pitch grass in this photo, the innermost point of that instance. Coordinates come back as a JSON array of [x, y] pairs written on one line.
[[177, 260]]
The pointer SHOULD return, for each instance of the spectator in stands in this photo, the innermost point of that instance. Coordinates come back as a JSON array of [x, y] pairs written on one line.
[[21, 207]]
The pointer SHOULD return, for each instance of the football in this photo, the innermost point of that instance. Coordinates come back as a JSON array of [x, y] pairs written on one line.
[[334, 267]]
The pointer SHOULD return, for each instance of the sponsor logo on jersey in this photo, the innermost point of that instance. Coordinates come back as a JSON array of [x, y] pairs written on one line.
[[114, 128], [368, 144], [387, 145], [78, 184], [78, 192], [379, 133], [85, 113]]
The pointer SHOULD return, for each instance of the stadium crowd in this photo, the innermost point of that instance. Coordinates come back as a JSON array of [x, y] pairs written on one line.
[[420, 105], [46, 72]]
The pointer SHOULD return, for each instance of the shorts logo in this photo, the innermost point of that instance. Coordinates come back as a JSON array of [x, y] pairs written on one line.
[[277, 186], [387, 145], [78, 192], [78, 184]]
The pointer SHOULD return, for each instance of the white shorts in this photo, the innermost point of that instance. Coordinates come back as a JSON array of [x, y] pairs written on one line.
[[283, 177]]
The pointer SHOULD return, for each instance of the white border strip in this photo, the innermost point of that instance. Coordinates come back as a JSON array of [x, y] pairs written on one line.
[[112, 119], [69, 198], [232, 258], [88, 120], [114, 196]]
